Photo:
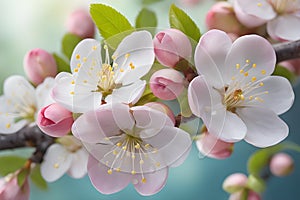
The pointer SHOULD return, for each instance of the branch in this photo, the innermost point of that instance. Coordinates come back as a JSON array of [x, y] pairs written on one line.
[[30, 136], [287, 50]]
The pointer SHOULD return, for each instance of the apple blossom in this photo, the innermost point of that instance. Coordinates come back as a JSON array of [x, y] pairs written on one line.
[[81, 24], [251, 195], [66, 156], [235, 95], [163, 108], [282, 16], [93, 81], [235, 182], [39, 64], [55, 120], [170, 46], [21, 101], [167, 84], [136, 144], [281, 164]]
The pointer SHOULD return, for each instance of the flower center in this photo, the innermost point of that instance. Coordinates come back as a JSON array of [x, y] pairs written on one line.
[[130, 154], [106, 83], [283, 6]]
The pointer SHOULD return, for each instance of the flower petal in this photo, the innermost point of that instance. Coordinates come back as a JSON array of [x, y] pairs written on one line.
[[43, 92], [250, 56], [104, 182], [8, 123], [285, 27], [87, 49], [277, 94], [264, 127], [57, 161], [79, 164], [137, 49], [154, 182]]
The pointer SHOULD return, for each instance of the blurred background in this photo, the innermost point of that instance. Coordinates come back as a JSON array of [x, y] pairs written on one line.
[[41, 24]]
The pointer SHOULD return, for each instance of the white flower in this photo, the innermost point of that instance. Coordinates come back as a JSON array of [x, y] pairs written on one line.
[[235, 95], [66, 156], [93, 81], [136, 144], [21, 101], [282, 16]]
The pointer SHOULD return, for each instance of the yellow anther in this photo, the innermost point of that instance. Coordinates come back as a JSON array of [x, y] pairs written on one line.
[[133, 172], [137, 146], [109, 171], [113, 57], [246, 74], [141, 162], [266, 92], [72, 82], [242, 97], [118, 169], [56, 165], [85, 81], [237, 66], [91, 68], [84, 59], [72, 93], [263, 72], [241, 71], [77, 56], [121, 70], [259, 4], [115, 152], [251, 97], [78, 65], [253, 79], [247, 61], [233, 78], [131, 65], [157, 164], [127, 55], [8, 125], [261, 84], [119, 144], [124, 148], [147, 146], [105, 47], [133, 156], [144, 180], [259, 99], [94, 47], [76, 70], [104, 77], [115, 65], [254, 65]]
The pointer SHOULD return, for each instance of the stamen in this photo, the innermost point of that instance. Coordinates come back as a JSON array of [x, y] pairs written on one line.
[[56, 165], [263, 72], [8, 125], [237, 66], [77, 56], [109, 171]]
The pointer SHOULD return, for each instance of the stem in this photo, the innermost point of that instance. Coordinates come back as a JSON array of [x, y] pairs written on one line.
[[287, 50], [30, 136]]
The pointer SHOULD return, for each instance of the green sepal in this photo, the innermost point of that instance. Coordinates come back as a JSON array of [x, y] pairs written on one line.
[[256, 184], [62, 64]]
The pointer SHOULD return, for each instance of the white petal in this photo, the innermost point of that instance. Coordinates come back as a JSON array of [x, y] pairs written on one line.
[[280, 95], [79, 164], [85, 51], [127, 94], [285, 27], [139, 47], [57, 161], [43, 92], [264, 127], [246, 51], [8, 124], [154, 182]]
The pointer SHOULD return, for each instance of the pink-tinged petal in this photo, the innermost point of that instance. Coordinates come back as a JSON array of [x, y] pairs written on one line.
[[79, 164], [276, 92], [122, 116], [252, 54], [285, 27], [43, 92], [127, 94], [235, 182], [85, 51], [57, 161], [264, 127], [104, 182], [154, 182], [136, 49], [252, 13]]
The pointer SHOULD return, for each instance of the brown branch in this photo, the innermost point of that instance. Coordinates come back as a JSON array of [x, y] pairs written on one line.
[[287, 50]]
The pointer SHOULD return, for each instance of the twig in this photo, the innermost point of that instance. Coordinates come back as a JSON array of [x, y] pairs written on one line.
[[287, 50]]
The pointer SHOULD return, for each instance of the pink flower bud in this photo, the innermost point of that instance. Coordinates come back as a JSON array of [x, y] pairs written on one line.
[[221, 16], [167, 84], [190, 2], [39, 64], [281, 164], [170, 46], [239, 195], [235, 182], [212, 147], [10, 190], [55, 120], [81, 24], [163, 108]]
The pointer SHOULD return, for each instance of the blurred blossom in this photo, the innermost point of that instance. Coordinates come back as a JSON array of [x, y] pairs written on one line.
[[234, 89], [251, 195], [10, 189], [167, 84], [55, 120], [21, 102], [170, 46], [163, 108], [81, 24], [39, 64], [292, 65], [281, 164], [235, 182], [66, 156], [211, 146], [190, 2]]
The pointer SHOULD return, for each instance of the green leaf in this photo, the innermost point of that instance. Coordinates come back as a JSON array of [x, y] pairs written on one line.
[[282, 71], [146, 18], [184, 104], [256, 184], [112, 25], [22, 175], [146, 2], [10, 164], [180, 20], [37, 178], [62, 65], [260, 159], [69, 42]]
